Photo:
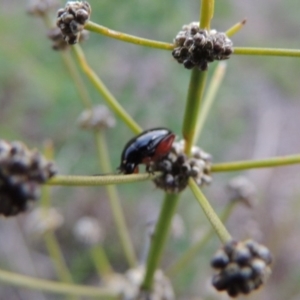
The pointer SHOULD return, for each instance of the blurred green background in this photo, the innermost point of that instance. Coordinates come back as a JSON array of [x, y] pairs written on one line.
[[256, 115]]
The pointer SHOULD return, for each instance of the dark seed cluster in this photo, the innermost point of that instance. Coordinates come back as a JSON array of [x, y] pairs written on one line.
[[242, 267], [97, 118], [195, 47], [58, 42], [71, 20], [177, 168], [21, 173], [40, 8]]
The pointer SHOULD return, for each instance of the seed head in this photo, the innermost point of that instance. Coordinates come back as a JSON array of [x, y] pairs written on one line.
[[241, 267], [98, 118], [195, 47], [21, 173], [177, 168], [88, 231], [40, 8], [71, 20]]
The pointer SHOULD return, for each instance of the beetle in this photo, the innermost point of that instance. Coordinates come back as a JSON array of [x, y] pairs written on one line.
[[144, 148]]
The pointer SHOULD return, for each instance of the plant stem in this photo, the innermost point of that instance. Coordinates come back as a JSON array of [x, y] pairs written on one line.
[[78, 81], [70, 180], [114, 199], [235, 28], [266, 51], [102, 89], [251, 164], [94, 27], [56, 287], [57, 257], [194, 250], [210, 96], [52, 244], [195, 95], [159, 238], [101, 261], [206, 13], [213, 218]]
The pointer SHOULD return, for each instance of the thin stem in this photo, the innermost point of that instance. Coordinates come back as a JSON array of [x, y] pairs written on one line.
[[266, 51], [195, 95], [114, 199], [78, 81], [102, 89], [159, 238], [91, 26], [206, 13], [70, 180], [101, 261], [55, 287], [57, 257], [235, 28], [194, 250], [210, 96], [251, 164], [210, 213], [52, 244]]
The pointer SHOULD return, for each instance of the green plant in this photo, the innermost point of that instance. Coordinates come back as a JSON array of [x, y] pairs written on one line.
[[197, 107]]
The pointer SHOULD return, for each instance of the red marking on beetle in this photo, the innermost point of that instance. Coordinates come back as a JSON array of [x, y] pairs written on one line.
[[164, 146]]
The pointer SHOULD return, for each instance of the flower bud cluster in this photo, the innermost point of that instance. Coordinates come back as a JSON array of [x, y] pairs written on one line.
[[177, 168], [71, 20], [99, 117], [242, 267], [40, 8], [88, 231], [21, 173], [128, 285], [195, 47], [242, 189], [58, 42], [42, 220]]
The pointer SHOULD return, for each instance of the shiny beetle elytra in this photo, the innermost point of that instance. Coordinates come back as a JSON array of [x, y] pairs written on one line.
[[144, 148]]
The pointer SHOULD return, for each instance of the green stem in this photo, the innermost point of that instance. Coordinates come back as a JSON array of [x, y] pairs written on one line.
[[235, 28], [57, 257], [101, 261], [70, 180], [115, 204], [210, 96], [194, 250], [266, 51], [75, 75], [102, 89], [195, 95], [253, 164], [55, 287], [91, 26], [206, 13], [159, 238], [210, 213]]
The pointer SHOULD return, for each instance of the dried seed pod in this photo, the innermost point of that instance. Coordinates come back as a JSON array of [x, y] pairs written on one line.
[[246, 269], [177, 168], [195, 47], [71, 20], [98, 118], [21, 173]]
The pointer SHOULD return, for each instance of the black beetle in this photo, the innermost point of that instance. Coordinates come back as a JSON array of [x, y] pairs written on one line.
[[144, 148]]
